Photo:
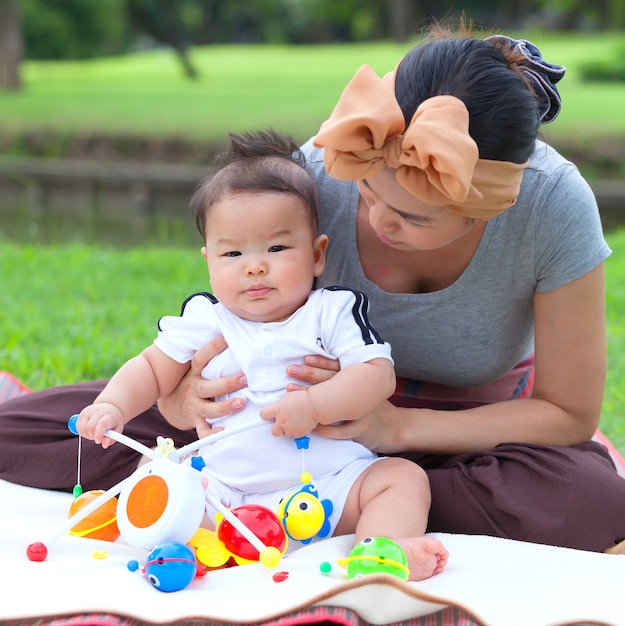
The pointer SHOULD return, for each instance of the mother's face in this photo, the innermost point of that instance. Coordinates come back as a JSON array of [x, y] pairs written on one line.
[[404, 222]]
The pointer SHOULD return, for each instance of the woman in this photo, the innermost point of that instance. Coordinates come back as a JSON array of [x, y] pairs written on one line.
[[481, 251]]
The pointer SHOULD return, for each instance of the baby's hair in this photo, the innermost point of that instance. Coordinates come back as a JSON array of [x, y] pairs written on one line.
[[259, 162]]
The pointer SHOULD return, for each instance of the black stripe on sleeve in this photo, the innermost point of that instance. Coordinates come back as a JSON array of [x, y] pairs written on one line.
[[210, 296], [360, 310]]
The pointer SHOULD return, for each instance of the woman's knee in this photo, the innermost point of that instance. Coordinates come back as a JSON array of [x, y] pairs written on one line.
[[561, 496]]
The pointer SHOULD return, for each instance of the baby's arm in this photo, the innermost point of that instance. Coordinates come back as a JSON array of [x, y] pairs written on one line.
[[134, 388], [352, 393]]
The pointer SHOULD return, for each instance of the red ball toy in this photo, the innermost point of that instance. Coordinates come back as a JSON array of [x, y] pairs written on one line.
[[262, 521], [37, 552]]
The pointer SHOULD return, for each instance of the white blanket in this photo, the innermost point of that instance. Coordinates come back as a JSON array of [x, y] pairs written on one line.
[[497, 581]]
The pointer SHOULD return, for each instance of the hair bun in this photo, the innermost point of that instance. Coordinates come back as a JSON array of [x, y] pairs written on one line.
[[542, 76]]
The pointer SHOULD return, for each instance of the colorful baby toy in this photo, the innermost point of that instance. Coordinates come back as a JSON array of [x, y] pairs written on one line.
[[373, 555], [162, 501], [160, 507]]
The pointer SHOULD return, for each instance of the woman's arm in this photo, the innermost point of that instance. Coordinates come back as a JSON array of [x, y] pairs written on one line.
[[570, 361]]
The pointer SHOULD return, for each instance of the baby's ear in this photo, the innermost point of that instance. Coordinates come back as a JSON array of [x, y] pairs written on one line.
[[320, 246], [203, 251]]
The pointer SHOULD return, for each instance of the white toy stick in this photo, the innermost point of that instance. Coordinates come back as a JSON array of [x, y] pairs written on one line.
[[113, 434], [268, 556], [80, 515], [210, 439]]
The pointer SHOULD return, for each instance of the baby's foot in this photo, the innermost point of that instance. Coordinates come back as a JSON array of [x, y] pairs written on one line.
[[426, 556]]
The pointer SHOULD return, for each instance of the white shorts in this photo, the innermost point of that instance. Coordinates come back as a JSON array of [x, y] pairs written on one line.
[[333, 487]]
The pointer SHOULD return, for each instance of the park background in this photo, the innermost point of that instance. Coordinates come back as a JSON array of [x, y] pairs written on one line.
[[110, 112]]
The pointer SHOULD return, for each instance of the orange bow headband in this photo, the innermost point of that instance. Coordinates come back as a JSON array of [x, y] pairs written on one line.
[[436, 159]]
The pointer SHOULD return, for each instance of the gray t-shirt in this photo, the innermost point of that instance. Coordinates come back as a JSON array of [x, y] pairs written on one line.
[[479, 328]]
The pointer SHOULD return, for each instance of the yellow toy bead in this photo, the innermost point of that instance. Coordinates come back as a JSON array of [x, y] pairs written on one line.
[[270, 557], [306, 477], [100, 555]]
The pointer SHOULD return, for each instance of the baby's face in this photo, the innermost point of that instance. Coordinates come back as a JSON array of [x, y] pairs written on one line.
[[262, 255]]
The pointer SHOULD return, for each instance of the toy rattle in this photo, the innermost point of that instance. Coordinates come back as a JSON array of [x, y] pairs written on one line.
[[163, 500]]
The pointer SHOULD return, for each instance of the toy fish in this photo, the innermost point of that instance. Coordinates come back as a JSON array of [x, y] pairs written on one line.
[[304, 515]]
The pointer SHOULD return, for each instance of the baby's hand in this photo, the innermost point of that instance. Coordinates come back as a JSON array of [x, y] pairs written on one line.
[[293, 415], [96, 419]]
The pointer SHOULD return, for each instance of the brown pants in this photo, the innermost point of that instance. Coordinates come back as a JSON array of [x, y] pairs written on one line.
[[569, 497]]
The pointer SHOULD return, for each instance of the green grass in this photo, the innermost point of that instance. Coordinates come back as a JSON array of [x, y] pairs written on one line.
[[613, 420], [74, 312], [240, 88], [246, 87]]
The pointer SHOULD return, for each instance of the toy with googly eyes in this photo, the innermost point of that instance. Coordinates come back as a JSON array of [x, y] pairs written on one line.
[[170, 566], [373, 555], [302, 513]]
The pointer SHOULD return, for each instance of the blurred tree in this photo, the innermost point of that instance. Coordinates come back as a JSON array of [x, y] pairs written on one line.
[[164, 21], [63, 29], [576, 14], [10, 45], [73, 29], [403, 19]]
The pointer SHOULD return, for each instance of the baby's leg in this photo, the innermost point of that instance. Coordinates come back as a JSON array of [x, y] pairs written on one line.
[[391, 498]]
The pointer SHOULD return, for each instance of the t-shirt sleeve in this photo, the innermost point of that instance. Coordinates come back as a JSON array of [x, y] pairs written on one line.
[[569, 241], [180, 337], [349, 334]]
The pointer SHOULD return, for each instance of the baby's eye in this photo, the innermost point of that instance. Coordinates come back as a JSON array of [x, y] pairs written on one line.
[[277, 248], [233, 253]]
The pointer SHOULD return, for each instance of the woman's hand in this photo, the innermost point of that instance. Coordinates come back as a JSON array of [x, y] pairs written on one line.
[[191, 403], [316, 369], [379, 431]]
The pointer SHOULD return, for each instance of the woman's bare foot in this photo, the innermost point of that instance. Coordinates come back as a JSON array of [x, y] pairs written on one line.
[[426, 556]]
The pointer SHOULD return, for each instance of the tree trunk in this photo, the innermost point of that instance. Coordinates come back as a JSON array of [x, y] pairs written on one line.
[[512, 13], [402, 19], [10, 45]]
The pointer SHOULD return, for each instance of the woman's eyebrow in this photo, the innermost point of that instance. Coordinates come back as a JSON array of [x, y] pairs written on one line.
[[410, 217], [365, 182]]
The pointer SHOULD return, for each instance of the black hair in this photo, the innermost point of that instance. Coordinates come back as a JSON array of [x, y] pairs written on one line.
[[503, 112], [263, 161]]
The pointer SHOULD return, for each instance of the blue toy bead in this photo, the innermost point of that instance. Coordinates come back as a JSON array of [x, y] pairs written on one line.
[[71, 424], [302, 442], [198, 463]]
